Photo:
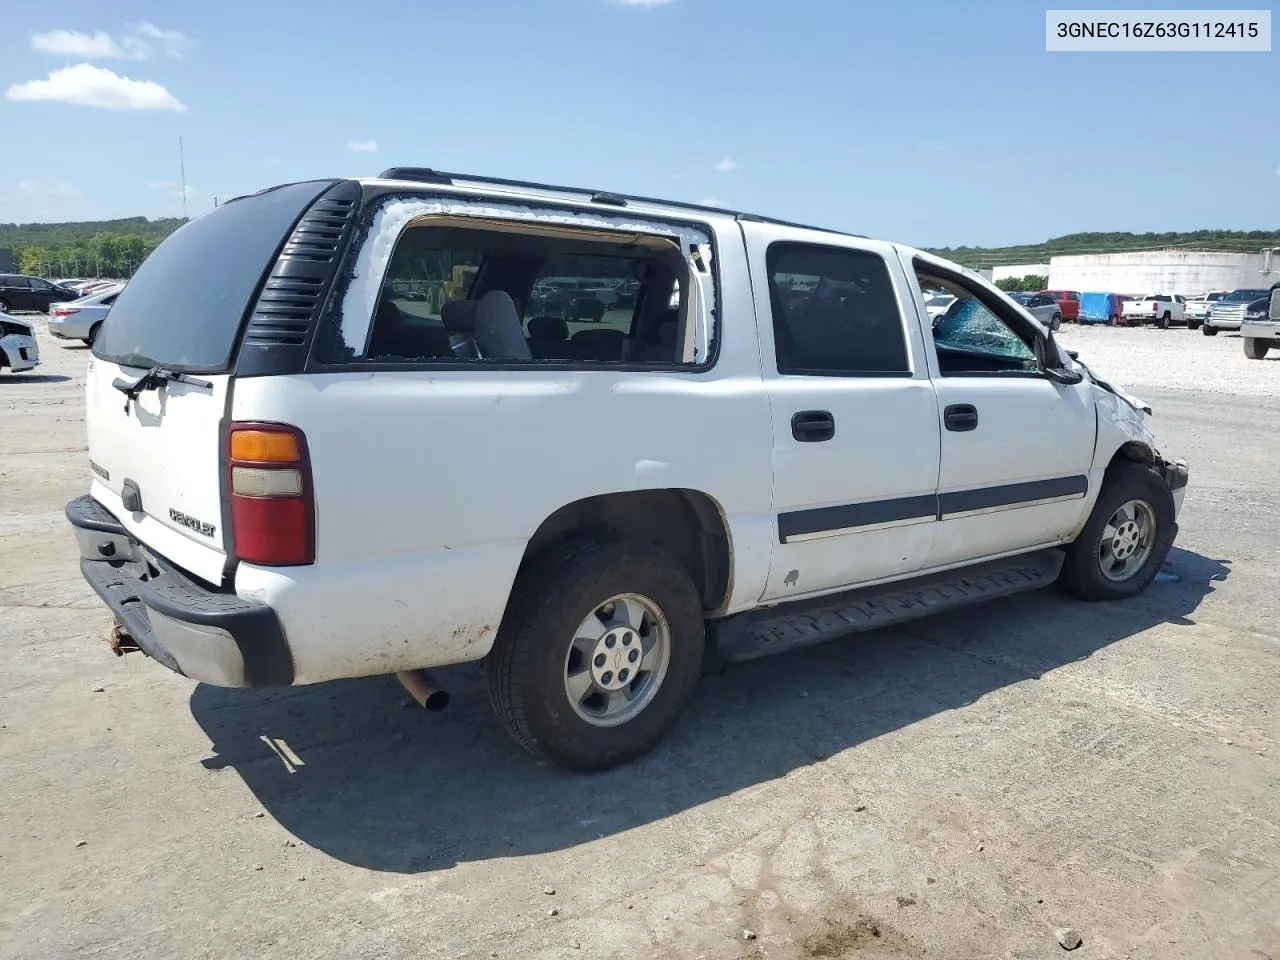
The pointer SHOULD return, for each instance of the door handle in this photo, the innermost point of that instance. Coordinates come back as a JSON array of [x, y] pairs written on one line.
[[960, 417], [813, 426]]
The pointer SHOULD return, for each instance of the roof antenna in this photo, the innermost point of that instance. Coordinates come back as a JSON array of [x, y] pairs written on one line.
[[182, 169]]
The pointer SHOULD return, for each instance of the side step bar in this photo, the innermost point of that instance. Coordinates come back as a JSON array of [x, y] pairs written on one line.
[[801, 623]]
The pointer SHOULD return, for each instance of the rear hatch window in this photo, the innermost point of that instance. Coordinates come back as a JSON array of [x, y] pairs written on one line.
[[183, 307]]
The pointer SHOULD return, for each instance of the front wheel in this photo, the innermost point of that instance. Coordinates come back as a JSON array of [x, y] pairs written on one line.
[[1055, 321], [1209, 331], [1255, 348], [600, 648], [1127, 536]]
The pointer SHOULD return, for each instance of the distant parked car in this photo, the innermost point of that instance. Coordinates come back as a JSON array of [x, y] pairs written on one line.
[[1105, 308], [20, 292], [1161, 309], [1199, 308], [18, 350], [935, 306], [1228, 313], [1041, 306], [82, 319], [1261, 325], [1068, 303]]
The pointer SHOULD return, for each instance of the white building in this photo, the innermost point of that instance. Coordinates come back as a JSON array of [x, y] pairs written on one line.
[[1017, 271], [1188, 272]]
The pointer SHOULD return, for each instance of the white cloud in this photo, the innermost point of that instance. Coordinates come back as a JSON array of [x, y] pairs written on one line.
[[57, 188], [72, 43], [103, 46], [172, 42], [726, 166], [90, 86], [711, 202], [363, 146]]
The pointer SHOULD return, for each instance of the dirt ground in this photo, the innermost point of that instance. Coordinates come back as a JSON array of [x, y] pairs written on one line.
[[959, 788]]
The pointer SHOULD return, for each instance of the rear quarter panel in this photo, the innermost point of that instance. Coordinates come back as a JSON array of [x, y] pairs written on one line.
[[429, 485]]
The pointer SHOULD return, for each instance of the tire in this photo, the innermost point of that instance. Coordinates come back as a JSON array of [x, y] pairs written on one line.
[[1055, 321], [4, 305], [531, 666], [1125, 483], [1164, 320], [1255, 348], [1194, 324], [1112, 320], [1209, 331], [93, 333]]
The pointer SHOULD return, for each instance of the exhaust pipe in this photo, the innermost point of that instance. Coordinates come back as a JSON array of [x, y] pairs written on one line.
[[423, 689]]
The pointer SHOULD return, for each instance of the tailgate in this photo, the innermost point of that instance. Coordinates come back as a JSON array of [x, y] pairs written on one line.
[[167, 447]]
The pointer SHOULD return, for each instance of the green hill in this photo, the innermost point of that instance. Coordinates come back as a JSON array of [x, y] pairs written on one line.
[[93, 248], [1220, 241]]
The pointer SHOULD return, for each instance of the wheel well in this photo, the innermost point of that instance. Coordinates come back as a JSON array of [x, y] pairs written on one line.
[[1135, 451], [686, 523]]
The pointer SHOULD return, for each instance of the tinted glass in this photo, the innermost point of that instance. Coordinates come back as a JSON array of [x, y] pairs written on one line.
[[1244, 296], [834, 312], [184, 306], [21, 283], [970, 327]]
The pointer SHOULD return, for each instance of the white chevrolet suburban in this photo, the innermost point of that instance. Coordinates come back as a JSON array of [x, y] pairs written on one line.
[[297, 475]]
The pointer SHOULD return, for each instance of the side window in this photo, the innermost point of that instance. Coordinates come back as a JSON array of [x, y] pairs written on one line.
[[18, 283], [458, 293], [38, 284], [834, 312], [973, 337], [1073, 296]]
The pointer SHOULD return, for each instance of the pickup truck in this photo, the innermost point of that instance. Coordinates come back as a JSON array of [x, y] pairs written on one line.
[[1261, 325], [308, 478], [1161, 309], [1199, 308]]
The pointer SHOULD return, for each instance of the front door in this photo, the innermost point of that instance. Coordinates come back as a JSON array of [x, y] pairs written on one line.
[[1016, 446], [855, 421]]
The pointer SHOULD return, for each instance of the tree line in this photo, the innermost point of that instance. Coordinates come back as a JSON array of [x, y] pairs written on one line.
[[107, 249], [1217, 241]]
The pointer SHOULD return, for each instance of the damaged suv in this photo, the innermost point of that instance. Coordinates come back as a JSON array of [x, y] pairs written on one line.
[[306, 474]]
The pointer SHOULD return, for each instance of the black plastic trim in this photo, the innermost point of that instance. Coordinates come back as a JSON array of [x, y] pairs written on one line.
[[823, 519], [1010, 494], [294, 294], [130, 589]]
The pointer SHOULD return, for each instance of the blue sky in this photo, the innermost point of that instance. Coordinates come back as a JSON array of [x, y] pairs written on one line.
[[935, 123]]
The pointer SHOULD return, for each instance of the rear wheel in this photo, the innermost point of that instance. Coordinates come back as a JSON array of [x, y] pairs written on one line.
[[600, 648], [1209, 331], [4, 305], [1164, 320], [1255, 348], [93, 333], [1126, 538], [1055, 321]]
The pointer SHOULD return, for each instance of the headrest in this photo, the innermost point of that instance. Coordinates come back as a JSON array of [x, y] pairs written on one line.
[[548, 329], [669, 333], [459, 316], [388, 315]]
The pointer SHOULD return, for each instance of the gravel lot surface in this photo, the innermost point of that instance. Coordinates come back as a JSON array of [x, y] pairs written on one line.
[[1140, 358], [992, 783]]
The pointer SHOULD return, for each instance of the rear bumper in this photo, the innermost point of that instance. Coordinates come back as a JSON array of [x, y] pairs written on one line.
[[213, 636], [68, 329], [1261, 329], [1224, 323]]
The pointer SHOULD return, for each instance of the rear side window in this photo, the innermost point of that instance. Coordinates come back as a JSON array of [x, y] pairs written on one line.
[[834, 312], [184, 306]]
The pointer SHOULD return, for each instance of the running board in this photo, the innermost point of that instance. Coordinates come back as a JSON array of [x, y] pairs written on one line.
[[801, 623]]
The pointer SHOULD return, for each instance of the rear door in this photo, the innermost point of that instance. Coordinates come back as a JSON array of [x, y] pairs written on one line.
[[855, 417], [157, 457]]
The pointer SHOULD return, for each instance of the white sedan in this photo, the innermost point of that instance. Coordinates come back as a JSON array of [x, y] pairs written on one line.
[[81, 319], [18, 351]]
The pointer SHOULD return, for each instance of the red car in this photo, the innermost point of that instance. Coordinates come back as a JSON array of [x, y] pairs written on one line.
[[1068, 304]]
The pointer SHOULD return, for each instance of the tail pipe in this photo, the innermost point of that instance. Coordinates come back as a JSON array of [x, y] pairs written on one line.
[[422, 687]]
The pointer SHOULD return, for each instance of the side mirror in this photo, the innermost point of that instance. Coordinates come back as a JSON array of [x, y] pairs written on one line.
[[1047, 359]]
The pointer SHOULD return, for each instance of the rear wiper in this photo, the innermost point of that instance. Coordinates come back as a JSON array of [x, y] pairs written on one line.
[[154, 379]]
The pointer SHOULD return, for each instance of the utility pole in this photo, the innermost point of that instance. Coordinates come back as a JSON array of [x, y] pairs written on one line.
[[182, 169]]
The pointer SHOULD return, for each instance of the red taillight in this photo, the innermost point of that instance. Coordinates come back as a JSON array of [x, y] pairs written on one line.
[[269, 482], [63, 312]]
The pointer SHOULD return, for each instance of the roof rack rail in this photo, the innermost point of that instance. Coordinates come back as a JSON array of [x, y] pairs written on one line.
[[429, 175]]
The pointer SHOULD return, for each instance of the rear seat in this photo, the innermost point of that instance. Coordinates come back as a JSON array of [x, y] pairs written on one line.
[[549, 340]]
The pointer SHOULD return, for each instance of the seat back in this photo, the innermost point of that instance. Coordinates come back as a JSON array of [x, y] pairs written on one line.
[[498, 331]]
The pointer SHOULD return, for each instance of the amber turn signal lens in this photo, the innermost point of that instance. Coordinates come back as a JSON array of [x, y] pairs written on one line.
[[262, 446]]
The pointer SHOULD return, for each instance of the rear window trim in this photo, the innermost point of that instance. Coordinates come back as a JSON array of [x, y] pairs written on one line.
[[375, 195]]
